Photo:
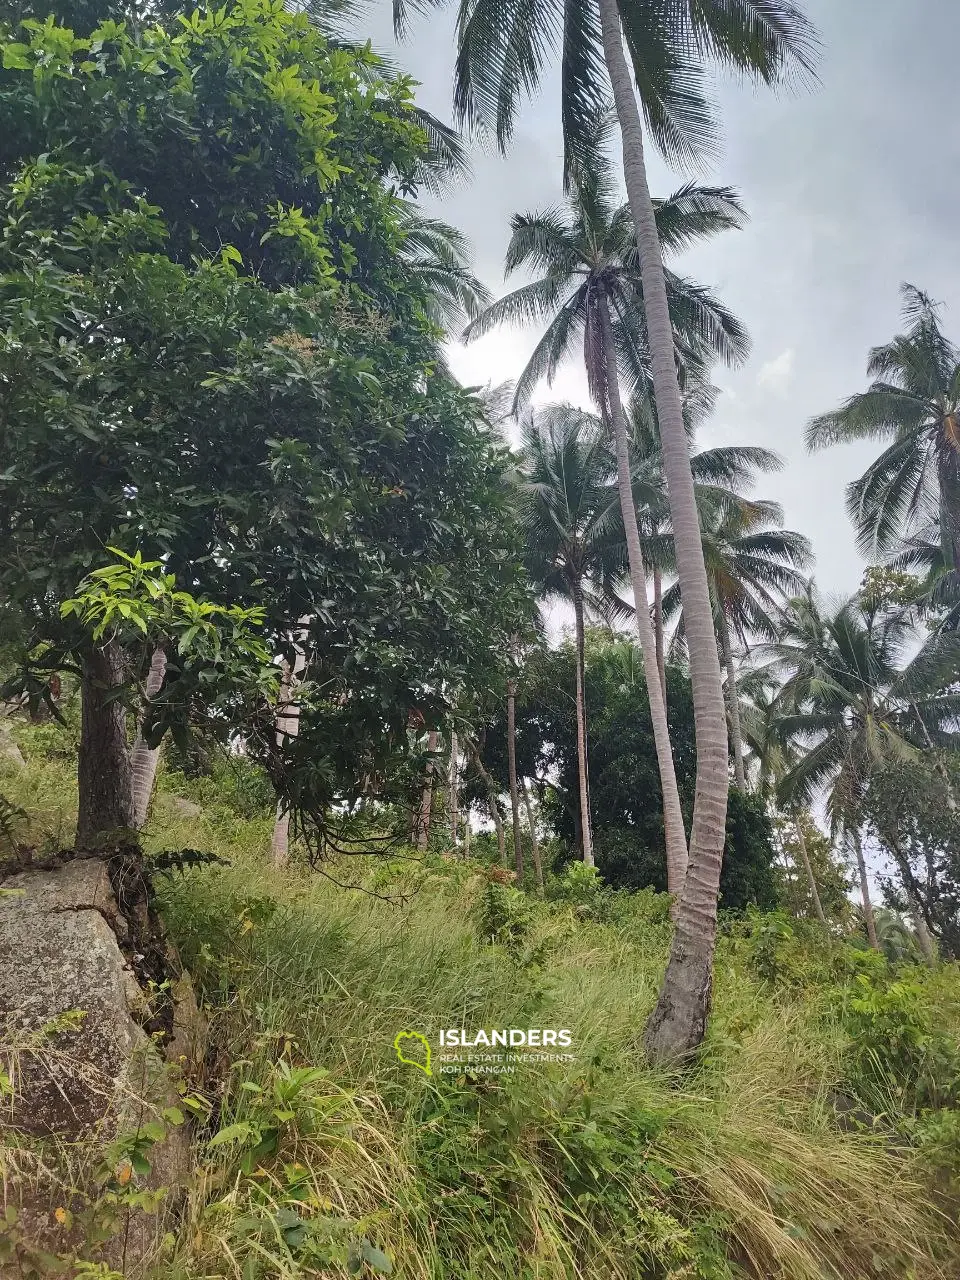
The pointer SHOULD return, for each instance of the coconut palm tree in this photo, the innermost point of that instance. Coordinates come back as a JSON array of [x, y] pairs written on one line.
[[588, 291], [436, 256], [914, 403], [860, 708], [504, 48], [570, 514], [752, 563], [773, 754]]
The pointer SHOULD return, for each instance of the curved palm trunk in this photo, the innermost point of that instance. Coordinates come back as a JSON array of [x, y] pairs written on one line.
[[678, 1022], [869, 921], [493, 806], [582, 766], [512, 770], [674, 830], [808, 872], [534, 840], [104, 780], [144, 759], [733, 701]]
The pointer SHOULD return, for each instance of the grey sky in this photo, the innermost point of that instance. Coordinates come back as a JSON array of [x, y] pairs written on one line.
[[851, 188]]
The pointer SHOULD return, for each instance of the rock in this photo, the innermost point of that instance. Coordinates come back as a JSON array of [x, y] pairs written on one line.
[[186, 808], [10, 753], [84, 1069]]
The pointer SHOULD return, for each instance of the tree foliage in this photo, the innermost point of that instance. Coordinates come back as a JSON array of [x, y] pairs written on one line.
[[214, 355]]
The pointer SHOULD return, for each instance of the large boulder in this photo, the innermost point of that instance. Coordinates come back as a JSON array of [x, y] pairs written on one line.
[[93, 1045]]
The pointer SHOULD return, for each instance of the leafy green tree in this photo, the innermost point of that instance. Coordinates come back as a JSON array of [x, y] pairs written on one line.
[[914, 403], [911, 811], [232, 373], [624, 775], [813, 883]]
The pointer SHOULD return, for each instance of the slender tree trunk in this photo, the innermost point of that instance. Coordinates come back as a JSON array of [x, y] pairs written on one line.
[[512, 770], [426, 799], [534, 840], [914, 898], [733, 701], [104, 779], [868, 917], [808, 871], [453, 777], [675, 833], [288, 726], [679, 1020], [582, 761], [658, 629], [144, 759], [948, 476], [493, 806]]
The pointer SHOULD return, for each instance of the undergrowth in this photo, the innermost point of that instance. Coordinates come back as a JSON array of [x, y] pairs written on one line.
[[817, 1135]]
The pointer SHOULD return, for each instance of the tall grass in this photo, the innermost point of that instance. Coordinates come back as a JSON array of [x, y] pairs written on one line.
[[320, 1154]]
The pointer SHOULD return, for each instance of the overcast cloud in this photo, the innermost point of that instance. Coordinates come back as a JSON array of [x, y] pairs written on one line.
[[851, 188]]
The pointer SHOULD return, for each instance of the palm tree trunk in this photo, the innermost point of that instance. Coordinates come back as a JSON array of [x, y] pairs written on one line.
[[808, 871], [512, 771], [868, 919], [674, 831], [288, 726], [733, 700], [493, 806], [144, 759], [104, 780], [534, 841], [658, 629], [454, 783], [426, 799], [582, 765], [679, 1020]]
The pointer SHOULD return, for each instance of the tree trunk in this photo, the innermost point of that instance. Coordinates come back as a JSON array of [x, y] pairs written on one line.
[[493, 806], [104, 779], [658, 629], [808, 871], [534, 840], [914, 898], [582, 763], [288, 726], [144, 759], [426, 799], [948, 477], [733, 701], [868, 919], [453, 779], [512, 771], [675, 833], [678, 1022]]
